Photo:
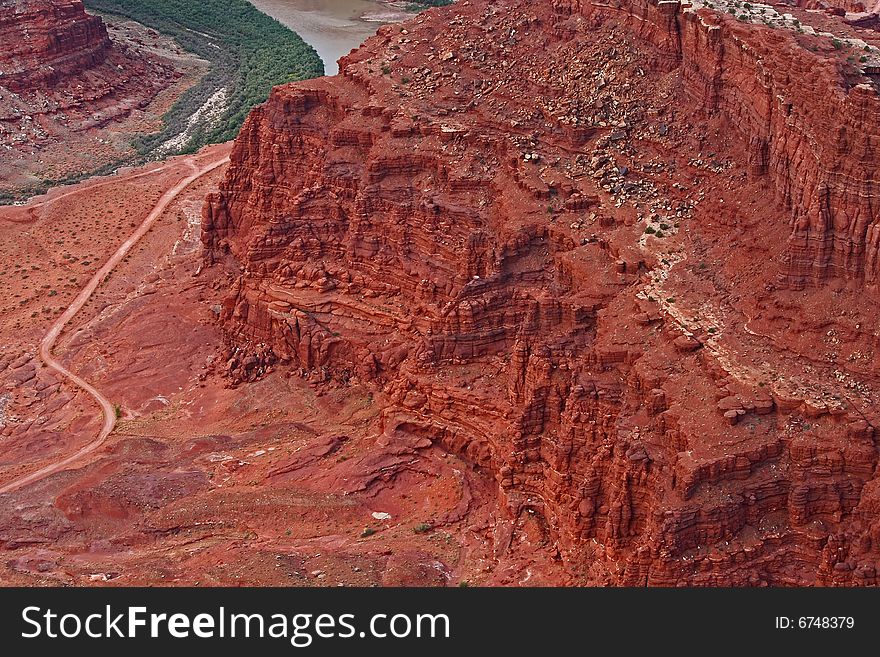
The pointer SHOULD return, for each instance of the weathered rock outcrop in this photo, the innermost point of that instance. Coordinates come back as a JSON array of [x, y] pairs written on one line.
[[46, 41], [805, 117], [61, 75], [536, 231], [808, 128]]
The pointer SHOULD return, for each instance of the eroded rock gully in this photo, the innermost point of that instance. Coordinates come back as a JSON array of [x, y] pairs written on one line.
[[614, 255]]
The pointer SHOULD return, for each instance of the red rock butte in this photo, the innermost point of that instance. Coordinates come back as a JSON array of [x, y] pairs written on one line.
[[46, 41], [621, 257], [71, 97]]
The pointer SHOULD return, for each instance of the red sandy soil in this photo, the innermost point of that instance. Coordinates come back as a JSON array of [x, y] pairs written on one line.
[[198, 170]]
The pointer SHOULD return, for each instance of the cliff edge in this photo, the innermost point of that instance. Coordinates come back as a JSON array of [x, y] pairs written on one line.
[[615, 255]]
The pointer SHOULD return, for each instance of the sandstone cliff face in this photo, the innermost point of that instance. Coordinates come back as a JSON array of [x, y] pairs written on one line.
[[46, 41], [820, 155], [537, 229], [61, 76]]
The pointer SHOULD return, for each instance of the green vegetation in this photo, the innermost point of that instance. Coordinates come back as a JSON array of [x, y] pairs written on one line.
[[422, 528], [368, 531], [249, 53], [419, 5], [117, 409]]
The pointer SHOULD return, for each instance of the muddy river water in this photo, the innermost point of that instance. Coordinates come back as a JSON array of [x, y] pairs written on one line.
[[332, 27]]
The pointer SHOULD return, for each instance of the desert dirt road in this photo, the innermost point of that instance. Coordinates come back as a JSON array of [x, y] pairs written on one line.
[[48, 342]]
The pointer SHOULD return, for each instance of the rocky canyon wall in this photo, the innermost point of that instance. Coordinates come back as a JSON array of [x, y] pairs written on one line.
[[66, 87], [806, 118], [46, 41], [460, 219], [809, 128]]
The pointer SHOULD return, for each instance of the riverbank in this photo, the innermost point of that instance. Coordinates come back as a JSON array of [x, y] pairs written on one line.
[[334, 29], [249, 53]]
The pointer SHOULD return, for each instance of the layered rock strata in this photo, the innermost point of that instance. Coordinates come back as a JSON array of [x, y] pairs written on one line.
[[538, 229], [47, 41], [60, 73]]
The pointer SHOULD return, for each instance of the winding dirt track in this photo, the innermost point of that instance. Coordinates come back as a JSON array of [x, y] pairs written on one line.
[[48, 342]]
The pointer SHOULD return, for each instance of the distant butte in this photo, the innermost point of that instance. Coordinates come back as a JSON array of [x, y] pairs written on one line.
[[70, 96], [49, 42]]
